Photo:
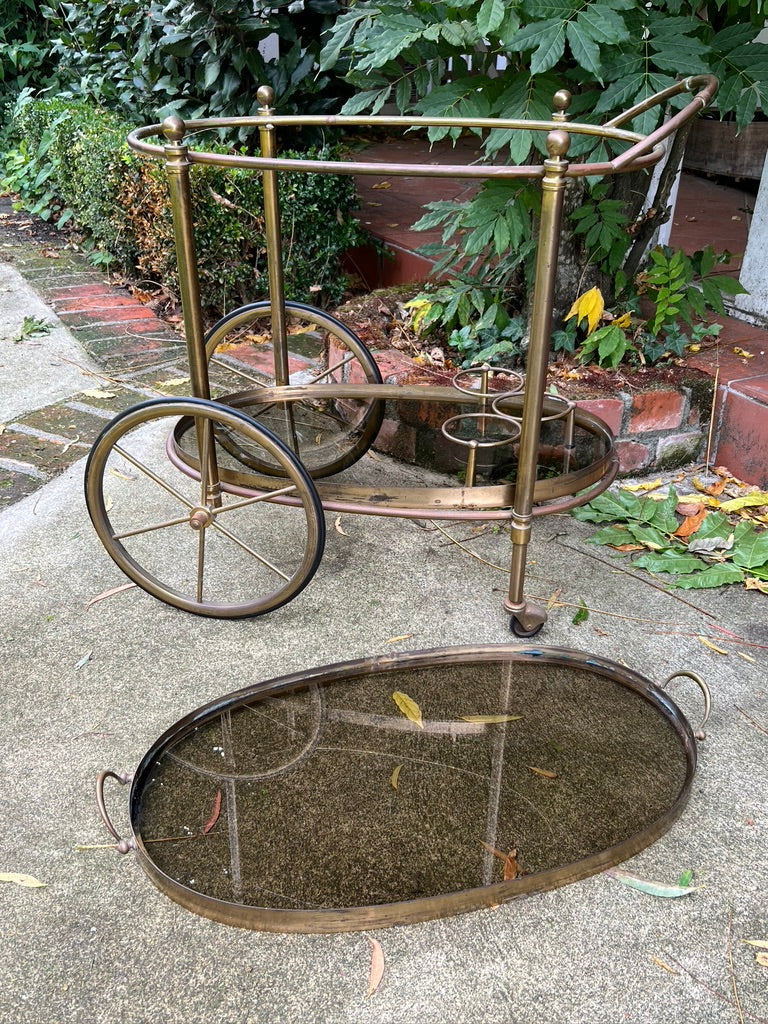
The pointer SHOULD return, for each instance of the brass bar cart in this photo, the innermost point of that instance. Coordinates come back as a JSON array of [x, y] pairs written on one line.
[[217, 507]]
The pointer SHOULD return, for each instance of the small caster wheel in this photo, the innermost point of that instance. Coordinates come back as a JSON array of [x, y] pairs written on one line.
[[520, 631]]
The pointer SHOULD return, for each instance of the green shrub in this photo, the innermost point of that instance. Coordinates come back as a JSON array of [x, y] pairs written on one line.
[[71, 163]]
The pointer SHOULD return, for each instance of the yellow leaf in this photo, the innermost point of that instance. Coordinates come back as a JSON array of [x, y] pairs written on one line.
[[756, 499], [543, 772], [622, 321], [98, 393], [382, 184], [747, 657], [395, 776], [338, 527], [589, 307], [395, 639], [752, 583], [694, 348], [649, 485], [408, 707], [711, 646], [742, 352], [660, 963], [553, 598], [174, 382], [27, 881], [490, 719], [762, 959], [121, 476], [376, 972], [760, 943]]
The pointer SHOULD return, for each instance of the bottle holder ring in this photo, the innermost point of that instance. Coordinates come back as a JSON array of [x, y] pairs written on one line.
[[482, 374], [563, 407], [481, 419]]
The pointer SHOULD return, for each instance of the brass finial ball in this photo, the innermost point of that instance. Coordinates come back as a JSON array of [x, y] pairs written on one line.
[[173, 128], [557, 144], [265, 94], [561, 100]]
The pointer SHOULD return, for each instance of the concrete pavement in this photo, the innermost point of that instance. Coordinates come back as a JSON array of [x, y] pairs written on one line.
[[100, 943]]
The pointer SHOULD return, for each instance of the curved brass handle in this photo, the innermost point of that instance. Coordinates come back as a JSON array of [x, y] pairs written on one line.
[[699, 732], [123, 845]]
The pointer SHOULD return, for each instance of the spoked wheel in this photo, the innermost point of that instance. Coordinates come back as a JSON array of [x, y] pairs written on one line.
[[174, 531], [328, 435]]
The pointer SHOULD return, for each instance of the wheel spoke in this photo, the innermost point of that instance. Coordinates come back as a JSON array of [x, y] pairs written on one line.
[[249, 550], [252, 501], [200, 565], [153, 476], [152, 527]]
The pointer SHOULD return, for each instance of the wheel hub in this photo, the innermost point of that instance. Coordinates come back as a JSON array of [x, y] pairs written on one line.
[[200, 518]]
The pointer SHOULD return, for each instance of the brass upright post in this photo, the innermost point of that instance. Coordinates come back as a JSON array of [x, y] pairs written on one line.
[[177, 166], [265, 96], [530, 616]]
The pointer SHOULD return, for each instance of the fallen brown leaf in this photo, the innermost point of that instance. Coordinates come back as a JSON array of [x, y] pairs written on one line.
[[25, 881], [511, 867], [395, 776], [543, 772], [690, 524], [376, 972], [711, 646], [382, 184], [109, 593]]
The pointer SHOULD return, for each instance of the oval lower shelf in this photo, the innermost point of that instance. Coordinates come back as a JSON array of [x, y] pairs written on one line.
[[311, 803]]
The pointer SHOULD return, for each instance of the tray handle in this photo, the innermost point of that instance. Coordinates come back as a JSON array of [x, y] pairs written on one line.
[[123, 845], [698, 732]]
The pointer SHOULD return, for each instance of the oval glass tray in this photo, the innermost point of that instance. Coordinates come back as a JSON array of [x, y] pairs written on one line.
[[315, 803]]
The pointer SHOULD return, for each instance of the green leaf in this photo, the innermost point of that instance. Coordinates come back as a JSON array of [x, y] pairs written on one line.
[[649, 537], [585, 50], [714, 576], [613, 536], [582, 614], [752, 551], [651, 888], [490, 16], [670, 561]]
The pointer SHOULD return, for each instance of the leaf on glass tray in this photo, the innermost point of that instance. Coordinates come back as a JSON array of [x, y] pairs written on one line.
[[25, 881], [754, 500], [647, 485], [83, 661], [214, 814], [651, 888], [543, 772], [711, 646], [98, 393], [582, 614], [509, 860], [376, 970], [490, 719], [408, 707], [394, 778]]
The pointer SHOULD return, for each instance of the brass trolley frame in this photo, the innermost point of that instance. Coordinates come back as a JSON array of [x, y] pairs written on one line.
[[252, 480]]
